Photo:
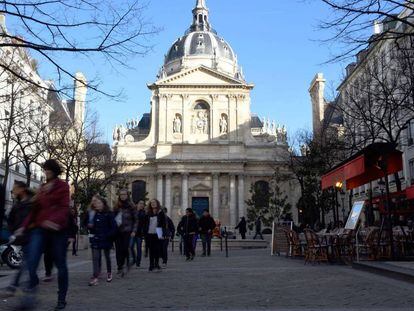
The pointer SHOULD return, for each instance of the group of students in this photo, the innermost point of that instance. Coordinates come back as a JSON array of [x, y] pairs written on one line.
[[43, 224], [129, 226]]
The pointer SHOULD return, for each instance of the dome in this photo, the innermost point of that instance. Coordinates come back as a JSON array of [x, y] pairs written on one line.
[[201, 45]]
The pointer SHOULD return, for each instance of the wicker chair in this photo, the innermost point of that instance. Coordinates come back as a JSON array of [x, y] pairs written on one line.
[[316, 251]]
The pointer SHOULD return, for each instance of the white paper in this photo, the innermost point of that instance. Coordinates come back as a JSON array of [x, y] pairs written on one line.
[[160, 234]]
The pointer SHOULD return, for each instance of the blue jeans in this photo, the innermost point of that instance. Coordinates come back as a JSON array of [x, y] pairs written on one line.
[[136, 256], [36, 248]]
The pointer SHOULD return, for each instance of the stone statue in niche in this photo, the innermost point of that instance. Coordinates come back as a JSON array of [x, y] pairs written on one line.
[[223, 125], [119, 133], [200, 123], [177, 198], [224, 198], [177, 126]]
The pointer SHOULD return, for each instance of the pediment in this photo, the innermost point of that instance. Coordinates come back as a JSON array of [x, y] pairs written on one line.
[[199, 76], [200, 187]]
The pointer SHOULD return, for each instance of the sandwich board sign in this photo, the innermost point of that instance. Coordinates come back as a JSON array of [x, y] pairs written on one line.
[[354, 216]]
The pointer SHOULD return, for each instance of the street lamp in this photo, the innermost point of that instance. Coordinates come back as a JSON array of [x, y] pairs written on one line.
[[338, 187]]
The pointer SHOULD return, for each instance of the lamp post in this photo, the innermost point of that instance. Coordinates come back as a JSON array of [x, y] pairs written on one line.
[[338, 187], [343, 205]]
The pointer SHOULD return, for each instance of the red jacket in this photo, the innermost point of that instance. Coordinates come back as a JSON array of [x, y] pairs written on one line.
[[52, 204]]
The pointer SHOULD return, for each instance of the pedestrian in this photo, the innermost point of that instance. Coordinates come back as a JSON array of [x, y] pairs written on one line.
[[102, 230], [188, 228], [155, 232], [206, 226], [242, 227], [169, 235], [20, 210], [258, 225], [138, 234], [73, 230], [125, 220], [48, 220], [148, 210]]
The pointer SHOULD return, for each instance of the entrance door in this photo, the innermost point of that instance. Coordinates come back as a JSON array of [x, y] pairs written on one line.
[[199, 204]]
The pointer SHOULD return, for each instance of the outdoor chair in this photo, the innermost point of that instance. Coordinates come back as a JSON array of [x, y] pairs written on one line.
[[295, 245], [317, 250], [370, 246]]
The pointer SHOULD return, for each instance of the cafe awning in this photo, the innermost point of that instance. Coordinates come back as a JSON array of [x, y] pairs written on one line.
[[363, 167]]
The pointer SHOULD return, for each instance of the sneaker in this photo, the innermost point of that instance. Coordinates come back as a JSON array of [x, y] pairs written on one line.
[[47, 279], [93, 282], [109, 277], [60, 305], [8, 292]]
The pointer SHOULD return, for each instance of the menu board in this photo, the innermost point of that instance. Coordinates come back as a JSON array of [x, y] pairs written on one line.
[[355, 214]]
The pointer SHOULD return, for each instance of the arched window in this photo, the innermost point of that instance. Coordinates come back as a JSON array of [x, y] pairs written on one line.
[[201, 105], [139, 190], [262, 193], [200, 18]]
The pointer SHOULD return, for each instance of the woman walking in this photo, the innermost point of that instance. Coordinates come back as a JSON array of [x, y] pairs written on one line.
[[155, 233], [242, 226], [102, 228], [138, 234], [125, 220]]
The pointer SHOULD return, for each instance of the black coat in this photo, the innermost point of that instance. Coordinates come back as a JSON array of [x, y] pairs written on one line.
[[187, 225], [242, 226], [17, 215], [140, 223], [103, 230], [161, 222], [206, 224]]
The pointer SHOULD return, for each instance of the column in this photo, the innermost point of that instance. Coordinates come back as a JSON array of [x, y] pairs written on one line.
[[216, 197], [242, 211], [233, 207], [184, 192], [167, 202], [159, 188]]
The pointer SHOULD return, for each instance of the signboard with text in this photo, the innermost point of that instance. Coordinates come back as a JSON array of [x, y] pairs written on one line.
[[354, 215]]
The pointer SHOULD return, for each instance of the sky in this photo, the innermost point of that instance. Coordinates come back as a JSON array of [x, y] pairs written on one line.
[[278, 44]]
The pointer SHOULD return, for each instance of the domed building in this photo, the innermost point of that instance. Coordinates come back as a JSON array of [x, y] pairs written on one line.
[[200, 146]]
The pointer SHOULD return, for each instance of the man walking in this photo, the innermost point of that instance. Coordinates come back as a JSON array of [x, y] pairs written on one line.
[[258, 225], [169, 234], [207, 225], [188, 228]]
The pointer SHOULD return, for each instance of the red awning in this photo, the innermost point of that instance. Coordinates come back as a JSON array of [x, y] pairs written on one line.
[[363, 167], [410, 193]]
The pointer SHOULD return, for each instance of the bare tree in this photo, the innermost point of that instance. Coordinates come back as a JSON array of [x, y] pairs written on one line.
[[352, 22], [378, 103], [113, 29]]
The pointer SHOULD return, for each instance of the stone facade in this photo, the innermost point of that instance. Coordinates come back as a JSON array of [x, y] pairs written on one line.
[[202, 147]]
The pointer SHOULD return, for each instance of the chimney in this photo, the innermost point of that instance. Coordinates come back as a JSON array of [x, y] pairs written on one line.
[[378, 27], [3, 23], [80, 97], [317, 92]]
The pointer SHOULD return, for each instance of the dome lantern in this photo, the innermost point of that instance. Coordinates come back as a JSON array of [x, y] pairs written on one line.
[[200, 17]]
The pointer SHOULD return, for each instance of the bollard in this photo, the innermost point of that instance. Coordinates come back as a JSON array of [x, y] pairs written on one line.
[[226, 242]]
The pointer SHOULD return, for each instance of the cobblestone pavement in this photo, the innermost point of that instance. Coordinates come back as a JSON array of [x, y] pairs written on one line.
[[247, 280]]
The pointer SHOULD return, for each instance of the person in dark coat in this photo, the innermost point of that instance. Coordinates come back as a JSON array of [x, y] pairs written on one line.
[[20, 210], [169, 234], [125, 220], [138, 234], [73, 229], [242, 227], [155, 231], [102, 228], [258, 225], [188, 228], [206, 226]]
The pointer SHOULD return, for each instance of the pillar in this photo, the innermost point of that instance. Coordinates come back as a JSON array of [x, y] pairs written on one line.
[[233, 203], [241, 205], [167, 202], [159, 188], [216, 197], [184, 192]]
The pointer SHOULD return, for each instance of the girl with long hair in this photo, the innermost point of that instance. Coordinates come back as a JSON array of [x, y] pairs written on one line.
[[102, 228], [155, 232]]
